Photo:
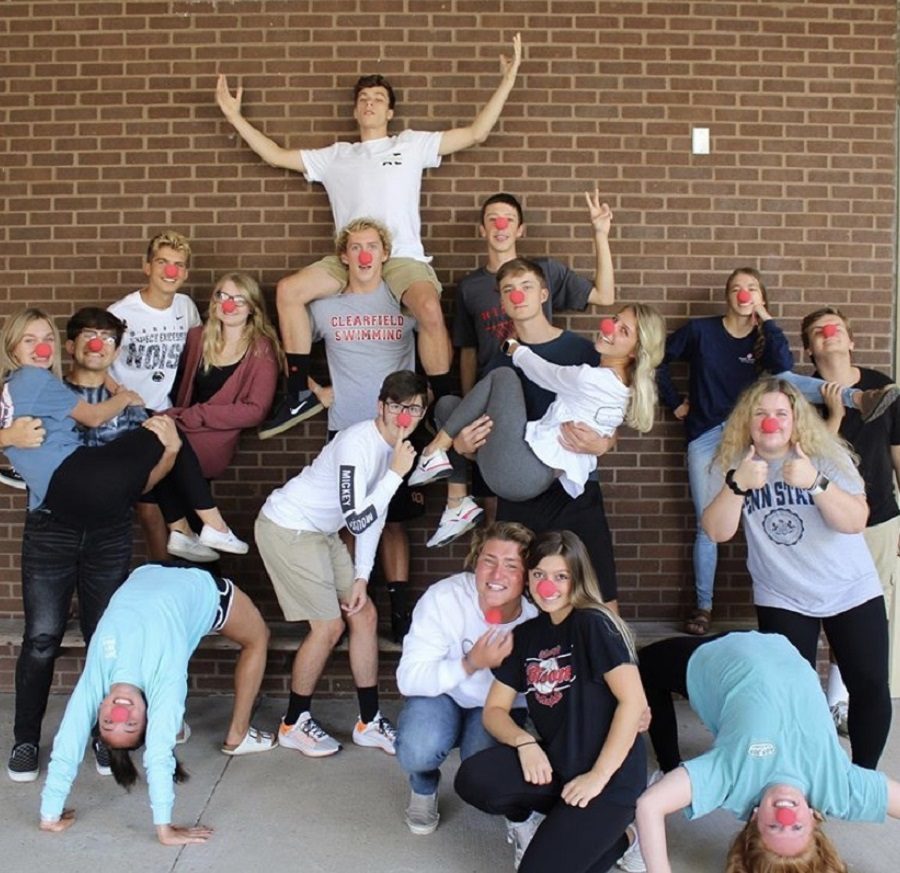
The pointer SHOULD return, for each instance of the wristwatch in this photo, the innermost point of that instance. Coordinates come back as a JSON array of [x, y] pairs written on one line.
[[819, 485], [729, 481], [508, 346]]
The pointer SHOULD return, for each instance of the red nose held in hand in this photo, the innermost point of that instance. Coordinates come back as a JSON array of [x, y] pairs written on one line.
[[493, 616], [404, 419], [501, 222], [94, 345], [770, 425], [546, 588], [607, 327], [171, 271], [118, 714], [785, 815], [229, 306], [517, 296], [829, 330], [744, 296], [365, 258], [43, 350]]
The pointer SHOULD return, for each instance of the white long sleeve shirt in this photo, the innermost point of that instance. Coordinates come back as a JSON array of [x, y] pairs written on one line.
[[446, 623], [349, 484]]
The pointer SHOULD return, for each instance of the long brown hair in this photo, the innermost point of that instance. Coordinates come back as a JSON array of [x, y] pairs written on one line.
[[748, 854], [759, 347]]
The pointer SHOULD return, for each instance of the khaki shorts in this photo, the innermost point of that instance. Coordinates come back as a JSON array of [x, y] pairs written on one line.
[[312, 573], [399, 273]]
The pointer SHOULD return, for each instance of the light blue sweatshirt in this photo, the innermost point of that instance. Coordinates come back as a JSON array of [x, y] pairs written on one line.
[[146, 637]]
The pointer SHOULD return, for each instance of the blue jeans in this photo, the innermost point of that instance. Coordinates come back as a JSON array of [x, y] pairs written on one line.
[[58, 559], [700, 453], [811, 388], [429, 728]]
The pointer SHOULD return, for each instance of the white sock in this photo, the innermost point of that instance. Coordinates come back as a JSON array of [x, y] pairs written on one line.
[[837, 691]]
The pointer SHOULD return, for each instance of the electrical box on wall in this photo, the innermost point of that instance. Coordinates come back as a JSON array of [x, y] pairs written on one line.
[[700, 140]]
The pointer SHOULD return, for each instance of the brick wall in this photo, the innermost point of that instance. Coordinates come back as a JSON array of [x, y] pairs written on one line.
[[111, 133]]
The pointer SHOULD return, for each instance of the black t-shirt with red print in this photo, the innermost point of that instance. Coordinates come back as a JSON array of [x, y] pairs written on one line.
[[560, 669]]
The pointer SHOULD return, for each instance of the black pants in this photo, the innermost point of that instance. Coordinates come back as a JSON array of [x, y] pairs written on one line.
[[584, 516], [572, 839], [663, 667], [859, 641], [184, 489]]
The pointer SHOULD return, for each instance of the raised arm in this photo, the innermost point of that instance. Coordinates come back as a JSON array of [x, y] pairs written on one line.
[[272, 153], [721, 518], [671, 793], [604, 291], [477, 132]]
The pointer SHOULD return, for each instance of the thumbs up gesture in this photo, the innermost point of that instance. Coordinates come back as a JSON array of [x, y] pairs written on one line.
[[798, 470], [752, 472]]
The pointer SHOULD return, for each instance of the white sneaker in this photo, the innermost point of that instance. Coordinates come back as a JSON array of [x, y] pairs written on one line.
[[190, 548], [839, 716], [223, 542], [520, 834], [632, 861], [377, 734], [422, 814], [430, 468], [308, 737], [455, 522]]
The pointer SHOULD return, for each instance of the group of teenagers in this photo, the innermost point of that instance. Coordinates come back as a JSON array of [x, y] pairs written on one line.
[[521, 660]]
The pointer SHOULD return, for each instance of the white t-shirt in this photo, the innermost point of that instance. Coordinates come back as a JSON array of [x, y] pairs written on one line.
[[381, 179], [446, 623], [152, 344], [349, 484]]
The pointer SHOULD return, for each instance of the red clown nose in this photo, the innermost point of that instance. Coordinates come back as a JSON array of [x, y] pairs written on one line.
[[744, 296], [118, 714], [43, 350], [770, 425], [607, 327], [365, 258], [94, 345], [404, 419], [171, 271], [501, 222], [516, 296], [493, 616], [829, 330], [546, 588], [786, 816], [229, 306]]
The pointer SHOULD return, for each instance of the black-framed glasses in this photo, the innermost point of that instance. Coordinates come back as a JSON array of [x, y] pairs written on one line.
[[414, 409], [237, 299]]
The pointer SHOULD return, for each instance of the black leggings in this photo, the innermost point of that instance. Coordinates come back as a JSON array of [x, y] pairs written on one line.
[[576, 840], [184, 488], [97, 484], [859, 641], [663, 667]]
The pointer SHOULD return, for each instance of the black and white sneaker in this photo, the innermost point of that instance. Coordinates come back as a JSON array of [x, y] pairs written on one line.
[[10, 476], [23, 762], [288, 412], [101, 757]]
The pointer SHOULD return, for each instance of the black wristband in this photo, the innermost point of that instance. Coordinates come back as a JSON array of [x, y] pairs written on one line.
[[729, 481]]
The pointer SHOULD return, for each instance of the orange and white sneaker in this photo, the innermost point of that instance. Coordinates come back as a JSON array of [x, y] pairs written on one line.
[[308, 736], [377, 734]]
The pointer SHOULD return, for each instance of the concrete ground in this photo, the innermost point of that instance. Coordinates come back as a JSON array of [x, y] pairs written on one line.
[[281, 811]]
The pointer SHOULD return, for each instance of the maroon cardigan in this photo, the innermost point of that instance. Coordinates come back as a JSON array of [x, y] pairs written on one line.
[[213, 428]]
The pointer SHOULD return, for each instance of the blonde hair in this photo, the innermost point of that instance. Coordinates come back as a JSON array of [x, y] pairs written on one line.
[[585, 587], [809, 432], [648, 354], [748, 854], [505, 531], [257, 325], [11, 335], [171, 239], [357, 226]]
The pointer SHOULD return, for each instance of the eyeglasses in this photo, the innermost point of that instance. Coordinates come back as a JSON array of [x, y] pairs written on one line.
[[414, 409], [238, 299], [107, 338]]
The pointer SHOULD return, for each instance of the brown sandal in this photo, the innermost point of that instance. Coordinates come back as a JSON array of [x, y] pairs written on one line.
[[698, 623]]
